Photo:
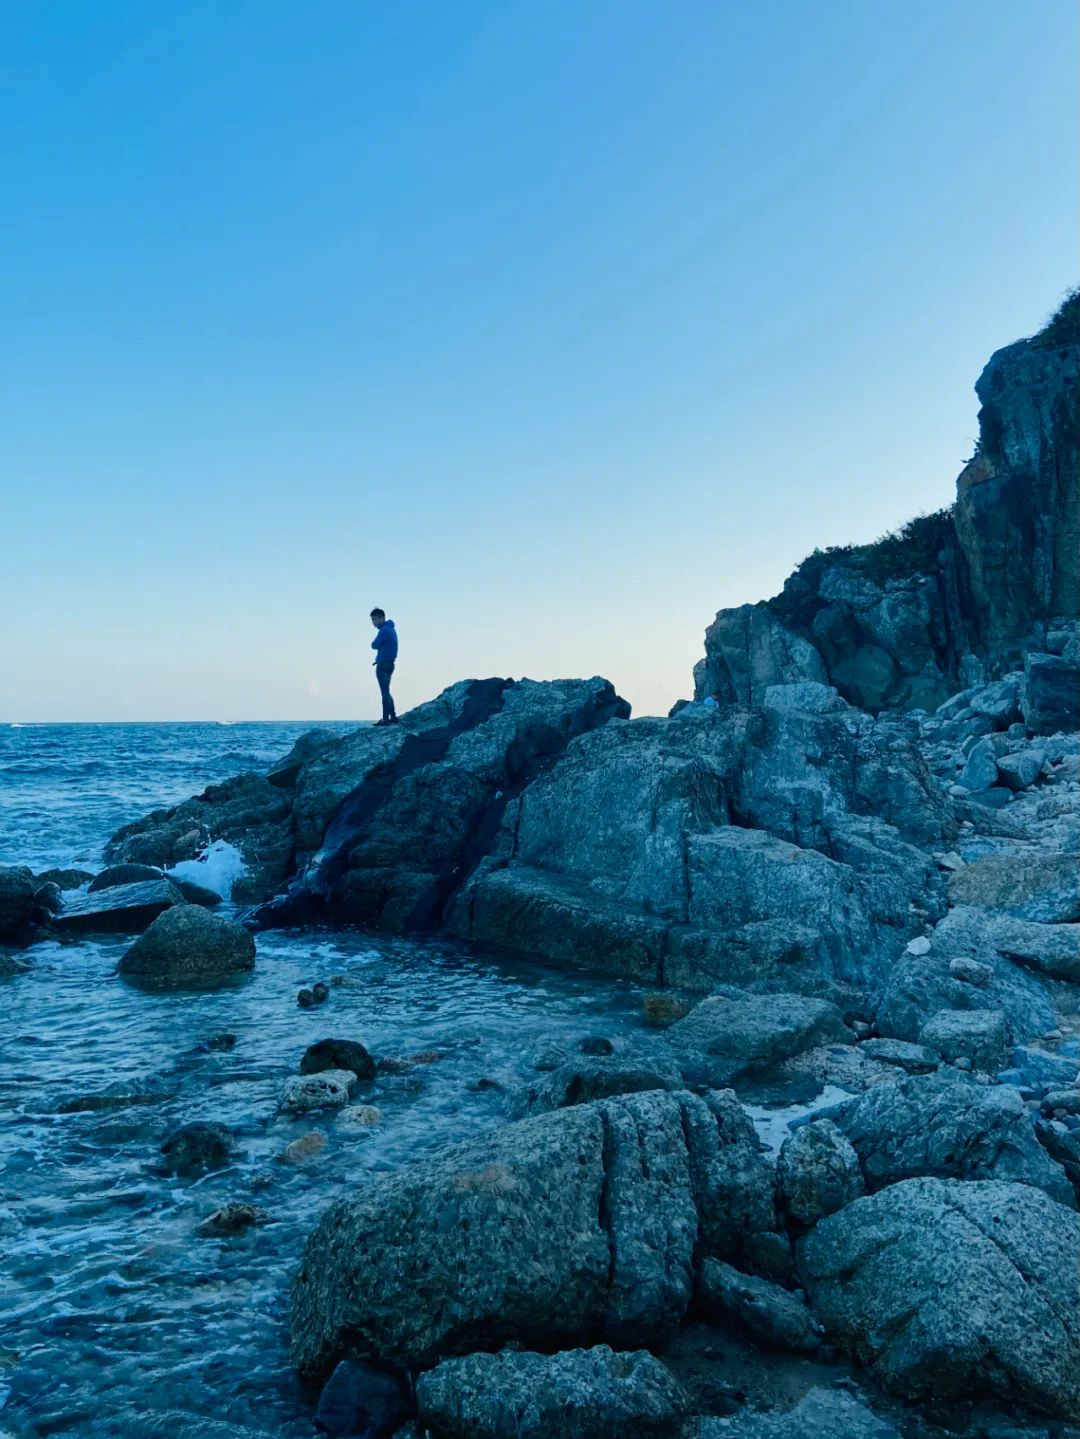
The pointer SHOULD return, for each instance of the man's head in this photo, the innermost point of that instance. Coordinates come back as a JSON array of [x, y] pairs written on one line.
[[377, 617]]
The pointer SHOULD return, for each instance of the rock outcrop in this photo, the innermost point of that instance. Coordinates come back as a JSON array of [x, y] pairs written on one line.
[[777, 848], [907, 621], [188, 946]]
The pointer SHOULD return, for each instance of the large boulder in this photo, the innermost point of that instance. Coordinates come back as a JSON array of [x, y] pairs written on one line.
[[186, 945], [552, 1231], [747, 650], [755, 1031], [927, 1125], [16, 903], [578, 1394], [920, 986], [953, 1289], [1050, 949], [979, 1036]]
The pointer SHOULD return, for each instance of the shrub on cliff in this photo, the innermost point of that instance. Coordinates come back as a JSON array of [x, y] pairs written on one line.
[[1063, 326]]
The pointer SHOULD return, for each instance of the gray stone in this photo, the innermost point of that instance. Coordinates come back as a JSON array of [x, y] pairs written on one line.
[[1043, 887], [912, 1058], [978, 1035], [919, 988], [772, 1316], [559, 1228], [755, 1031], [187, 946], [971, 971], [817, 1172], [1000, 701], [981, 770], [820, 1414], [325, 1089], [1020, 771], [952, 1289], [946, 1128], [578, 1394]]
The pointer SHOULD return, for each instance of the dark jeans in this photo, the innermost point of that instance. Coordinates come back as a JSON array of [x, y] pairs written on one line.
[[382, 674]]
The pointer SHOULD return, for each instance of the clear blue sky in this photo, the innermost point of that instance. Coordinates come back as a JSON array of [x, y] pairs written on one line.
[[552, 327]]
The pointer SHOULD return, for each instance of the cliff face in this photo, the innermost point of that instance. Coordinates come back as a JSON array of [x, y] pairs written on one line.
[[1018, 501], [953, 597]]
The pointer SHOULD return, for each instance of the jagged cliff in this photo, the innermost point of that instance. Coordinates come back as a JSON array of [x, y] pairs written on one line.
[[953, 597]]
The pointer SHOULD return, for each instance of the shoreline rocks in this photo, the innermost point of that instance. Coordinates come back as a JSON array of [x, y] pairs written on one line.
[[186, 945]]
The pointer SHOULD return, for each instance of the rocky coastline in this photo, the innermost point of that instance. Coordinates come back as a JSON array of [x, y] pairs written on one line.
[[859, 871]]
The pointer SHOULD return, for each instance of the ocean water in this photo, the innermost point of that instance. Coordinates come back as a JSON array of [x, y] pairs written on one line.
[[112, 1305]]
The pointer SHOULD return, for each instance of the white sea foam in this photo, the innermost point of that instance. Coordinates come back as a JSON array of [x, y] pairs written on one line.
[[217, 868]]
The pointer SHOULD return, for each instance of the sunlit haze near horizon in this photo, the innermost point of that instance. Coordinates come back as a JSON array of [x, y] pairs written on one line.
[[551, 328]]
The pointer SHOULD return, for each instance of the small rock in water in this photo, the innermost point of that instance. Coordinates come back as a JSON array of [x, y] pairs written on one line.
[[219, 1043], [118, 1095], [337, 979], [320, 992], [329, 1089], [596, 1044], [389, 1064], [233, 1219], [188, 945], [425, 1056], [196, 1147], [359, 1116], [360, 1400], [306, 999], [661, 1009], [308, 1146], [919, 946], [338, 1054]]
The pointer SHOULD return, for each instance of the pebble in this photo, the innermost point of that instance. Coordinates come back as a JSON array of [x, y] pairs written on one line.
[[971, 971], [920, 945], [329, 1089], [320, 992]]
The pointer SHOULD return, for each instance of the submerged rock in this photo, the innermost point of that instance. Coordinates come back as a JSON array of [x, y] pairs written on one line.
[[196, 1147], [232, 1219], [188, 946], [577, 1394], [951, 1289], [583, 1080], [549, 1232]]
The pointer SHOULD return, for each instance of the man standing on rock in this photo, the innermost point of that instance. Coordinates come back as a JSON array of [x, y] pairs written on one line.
[[385, 646]]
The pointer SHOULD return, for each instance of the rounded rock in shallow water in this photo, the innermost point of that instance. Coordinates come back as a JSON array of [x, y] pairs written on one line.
[[329, 1089], [188, 946], [320, 992], [359, 1116], [338, 1054], [306, 999], [197, 1147]]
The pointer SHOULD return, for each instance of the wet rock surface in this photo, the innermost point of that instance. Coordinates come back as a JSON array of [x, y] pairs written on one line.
[[186, 945]]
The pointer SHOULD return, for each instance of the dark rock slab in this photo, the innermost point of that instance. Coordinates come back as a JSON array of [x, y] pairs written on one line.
[[347, 1054], [122, 909]]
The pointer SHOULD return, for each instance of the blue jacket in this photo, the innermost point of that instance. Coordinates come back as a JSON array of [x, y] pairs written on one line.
[[385, 643]]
